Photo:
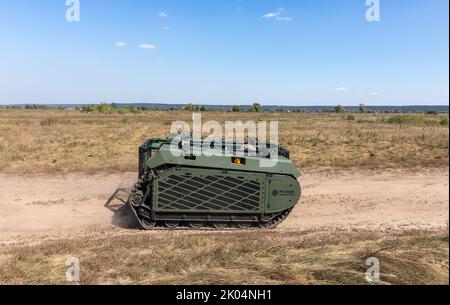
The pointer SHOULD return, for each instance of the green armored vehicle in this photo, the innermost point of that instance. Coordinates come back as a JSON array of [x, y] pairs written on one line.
[[182, 184]]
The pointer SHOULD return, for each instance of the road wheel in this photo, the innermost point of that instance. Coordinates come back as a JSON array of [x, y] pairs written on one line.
[[136, 199], [172, 224], [220, 225], [148, 224], [266, 225], [196, 224], [244, 225]]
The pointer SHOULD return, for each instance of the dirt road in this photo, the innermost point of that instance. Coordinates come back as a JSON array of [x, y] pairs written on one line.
[[46, 207]]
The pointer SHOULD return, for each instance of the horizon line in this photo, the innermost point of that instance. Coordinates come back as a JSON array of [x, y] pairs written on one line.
[[223, 105]]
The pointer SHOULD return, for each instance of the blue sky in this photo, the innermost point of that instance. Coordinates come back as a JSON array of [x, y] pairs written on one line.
[[291, 52]]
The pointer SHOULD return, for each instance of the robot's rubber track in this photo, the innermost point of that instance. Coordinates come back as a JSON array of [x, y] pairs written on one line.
[[148, 224]]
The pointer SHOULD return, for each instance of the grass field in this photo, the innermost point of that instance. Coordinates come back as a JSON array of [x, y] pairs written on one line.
[[51, 142], [234, 258], [68, 141]]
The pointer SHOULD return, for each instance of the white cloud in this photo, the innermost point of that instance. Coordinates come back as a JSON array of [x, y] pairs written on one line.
[[278, 16], [163, 15], [271, 15], [120, 44], [146, 46], [165, 27], [341, 89], [374, 93]]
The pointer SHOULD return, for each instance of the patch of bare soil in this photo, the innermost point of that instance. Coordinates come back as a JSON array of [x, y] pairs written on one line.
[[42, 207], [391, 200]]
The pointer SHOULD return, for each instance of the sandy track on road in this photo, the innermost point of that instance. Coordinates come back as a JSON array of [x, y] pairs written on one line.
[[42, 206]]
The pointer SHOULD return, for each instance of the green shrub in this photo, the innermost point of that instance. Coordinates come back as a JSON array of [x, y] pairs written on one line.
[[339, 109], [444, 121], [189, 107], [256, 107], [351, 117], [406, 119], [236, 108], [89, 108], [105, 108]]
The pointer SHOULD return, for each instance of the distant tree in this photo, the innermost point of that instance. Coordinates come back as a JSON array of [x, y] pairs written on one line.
[[203, 109], [89, 108], [189, 107], [339, 109], [34, 106], [256, 107], [104, 108], [362, 108], [236, 108]]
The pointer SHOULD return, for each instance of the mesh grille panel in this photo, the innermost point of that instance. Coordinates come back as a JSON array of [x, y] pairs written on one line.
[[215, 193]]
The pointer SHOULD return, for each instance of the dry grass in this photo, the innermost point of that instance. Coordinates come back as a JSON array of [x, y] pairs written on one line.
[[68, 141], [234, 258], [36, 141]]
